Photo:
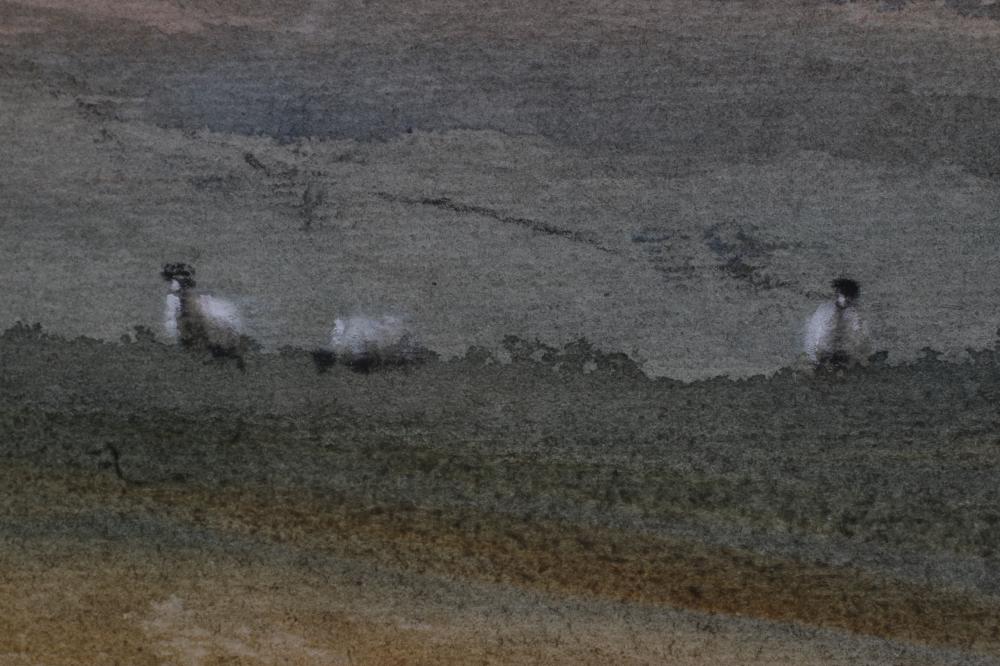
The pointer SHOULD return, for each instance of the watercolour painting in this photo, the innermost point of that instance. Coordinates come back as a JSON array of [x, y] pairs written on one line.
[[436, 332]]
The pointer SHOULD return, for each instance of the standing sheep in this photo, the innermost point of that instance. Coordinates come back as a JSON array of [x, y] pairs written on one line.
[[200, 321], [836, 335]]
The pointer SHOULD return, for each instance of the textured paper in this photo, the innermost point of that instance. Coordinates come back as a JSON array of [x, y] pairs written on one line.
[[605, 226]]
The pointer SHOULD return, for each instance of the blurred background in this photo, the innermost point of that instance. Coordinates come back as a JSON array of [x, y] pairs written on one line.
[[677, 181]]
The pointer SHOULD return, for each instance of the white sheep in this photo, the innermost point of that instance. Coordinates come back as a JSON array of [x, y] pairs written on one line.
[[200, 321], [365, 342], [836, 335]]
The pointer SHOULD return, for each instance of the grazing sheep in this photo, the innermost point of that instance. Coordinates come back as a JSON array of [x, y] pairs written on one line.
[[836, 336], [200, 321], [363, 343]]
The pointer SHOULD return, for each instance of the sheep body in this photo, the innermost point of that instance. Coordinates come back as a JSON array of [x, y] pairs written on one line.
[[200, 320], [361, 335], [836, 334], [364, 343]]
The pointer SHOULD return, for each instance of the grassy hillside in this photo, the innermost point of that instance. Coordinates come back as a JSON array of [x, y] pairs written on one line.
[[862, 501]]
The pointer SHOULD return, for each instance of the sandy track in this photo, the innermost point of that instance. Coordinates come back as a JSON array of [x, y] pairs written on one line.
[[284, 581]]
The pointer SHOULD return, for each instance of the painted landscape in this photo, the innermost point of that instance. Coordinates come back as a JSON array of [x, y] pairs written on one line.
[[606, 225]]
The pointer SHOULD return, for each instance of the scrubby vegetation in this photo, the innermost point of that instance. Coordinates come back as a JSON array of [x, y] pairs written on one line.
[[861, 499], [896, 456]]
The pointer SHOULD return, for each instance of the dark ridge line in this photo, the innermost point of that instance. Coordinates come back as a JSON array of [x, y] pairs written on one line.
[[527, 223]]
